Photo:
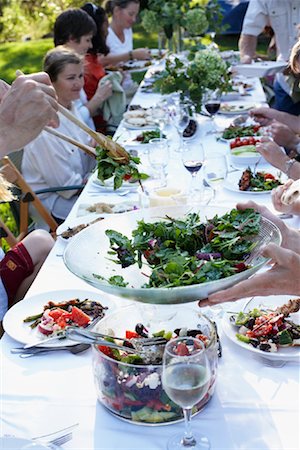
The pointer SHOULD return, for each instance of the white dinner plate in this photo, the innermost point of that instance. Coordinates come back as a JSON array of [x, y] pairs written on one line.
[[284, 353], [13, 320], [109, 187], [232, 182], [117, 207], [233, 108], [82, 220], [14, 443], [130, 126], [260, 68]]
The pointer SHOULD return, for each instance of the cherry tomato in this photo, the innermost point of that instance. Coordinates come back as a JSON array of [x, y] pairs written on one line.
[[269, 176]]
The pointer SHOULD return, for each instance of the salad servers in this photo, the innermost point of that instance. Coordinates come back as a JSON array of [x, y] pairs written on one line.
[[27, 353]]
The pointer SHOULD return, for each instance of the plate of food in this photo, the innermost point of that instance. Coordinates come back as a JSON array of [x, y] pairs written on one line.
[[68, 229], [253, 181], [45, 315], [241, 131], [104, 209], [137, 119], [243, 152], [143, 138], [266, 328], [108, 186], [233, 108], [130, 66], [173, 276]]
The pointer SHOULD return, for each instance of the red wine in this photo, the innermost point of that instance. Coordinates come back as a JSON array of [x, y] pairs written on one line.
[[212, 107], [193, 166]]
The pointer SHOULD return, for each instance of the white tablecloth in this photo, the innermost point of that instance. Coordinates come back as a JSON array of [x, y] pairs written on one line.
[[255, 407]]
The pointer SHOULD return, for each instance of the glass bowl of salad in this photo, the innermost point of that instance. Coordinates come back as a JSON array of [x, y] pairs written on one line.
[[131, 388]]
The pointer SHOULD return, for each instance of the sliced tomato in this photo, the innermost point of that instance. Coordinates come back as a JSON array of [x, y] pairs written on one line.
[[106, 350], [158, 405], [182, 349], [80, 317], [131, 334], [269, 176], [126, 177], [57, 313]]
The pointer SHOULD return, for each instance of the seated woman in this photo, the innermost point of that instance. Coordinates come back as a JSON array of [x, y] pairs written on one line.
[[49, 161], [120, 38], [74, 28]]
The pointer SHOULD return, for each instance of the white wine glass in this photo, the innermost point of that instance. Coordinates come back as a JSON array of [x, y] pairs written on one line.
[[186, 379], [159, 157], [212, 103], [180, 118], [215, 172], [192, 158]]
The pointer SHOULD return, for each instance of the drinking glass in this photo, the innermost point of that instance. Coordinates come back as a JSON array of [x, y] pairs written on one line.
[[159, 157], [186, 378], [180, 118], [193, 158], [212, 103], [215, 171]]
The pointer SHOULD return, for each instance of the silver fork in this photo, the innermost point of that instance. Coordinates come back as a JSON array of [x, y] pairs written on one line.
[[61, 439], [277, 363]]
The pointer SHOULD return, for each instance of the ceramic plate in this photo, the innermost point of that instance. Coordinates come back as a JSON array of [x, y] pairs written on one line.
[[13, 320], [284, 353], [233, 108], [260, 68], [109, 187], [75, 222], [117, 208], [232, 183], [14, 443]]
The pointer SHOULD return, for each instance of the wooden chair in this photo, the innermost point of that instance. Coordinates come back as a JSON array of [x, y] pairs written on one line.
[[26, 197]]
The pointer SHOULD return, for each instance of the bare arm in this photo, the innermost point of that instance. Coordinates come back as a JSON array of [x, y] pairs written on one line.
[[247, 48], [138, 53], [278, 158], [26, 108]]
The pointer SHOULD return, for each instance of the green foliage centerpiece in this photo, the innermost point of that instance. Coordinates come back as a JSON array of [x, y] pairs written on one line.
[[204, 70]]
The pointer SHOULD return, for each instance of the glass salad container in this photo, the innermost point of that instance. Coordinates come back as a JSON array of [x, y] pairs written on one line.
[[133, 391]]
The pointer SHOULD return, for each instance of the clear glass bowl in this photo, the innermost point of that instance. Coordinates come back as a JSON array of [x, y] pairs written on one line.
[[134, 392]]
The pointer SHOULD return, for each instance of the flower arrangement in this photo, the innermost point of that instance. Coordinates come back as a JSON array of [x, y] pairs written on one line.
[[206, 70], [194, 16]]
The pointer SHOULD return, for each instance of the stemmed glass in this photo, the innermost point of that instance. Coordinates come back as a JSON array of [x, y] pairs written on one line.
[[159, 157], [186, 378], [193, 158], [180, 117], [212, 103], [215, 171]]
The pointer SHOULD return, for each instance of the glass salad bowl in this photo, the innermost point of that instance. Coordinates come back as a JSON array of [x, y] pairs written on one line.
[[89, 257], [134, 392]]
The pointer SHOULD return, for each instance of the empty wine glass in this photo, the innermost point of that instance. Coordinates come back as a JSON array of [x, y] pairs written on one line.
[[186, 378], [193, 158], [215, 171], [180, 117], [159, 157], [212, 103]]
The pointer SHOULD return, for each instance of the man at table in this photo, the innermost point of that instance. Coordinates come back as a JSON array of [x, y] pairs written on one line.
[[283, 17]]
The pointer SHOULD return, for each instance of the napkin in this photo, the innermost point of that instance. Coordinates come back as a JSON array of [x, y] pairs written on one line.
[[114, 107]]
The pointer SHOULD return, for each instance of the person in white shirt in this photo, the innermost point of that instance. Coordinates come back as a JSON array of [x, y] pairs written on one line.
[[284, 17], [49, 161]]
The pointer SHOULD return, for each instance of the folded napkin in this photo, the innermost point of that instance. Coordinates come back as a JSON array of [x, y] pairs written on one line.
[[114, 107]]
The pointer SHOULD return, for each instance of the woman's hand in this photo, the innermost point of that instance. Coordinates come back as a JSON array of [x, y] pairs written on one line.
[[283, 135], [141, 53], [274, 154], [104, 91], [282, 278], [264, 116]]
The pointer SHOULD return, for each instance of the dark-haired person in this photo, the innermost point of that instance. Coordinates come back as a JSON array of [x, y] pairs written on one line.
[[49, 161], [75, 29]]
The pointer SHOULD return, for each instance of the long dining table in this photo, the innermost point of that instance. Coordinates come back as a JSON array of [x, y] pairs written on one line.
[[255, 405]]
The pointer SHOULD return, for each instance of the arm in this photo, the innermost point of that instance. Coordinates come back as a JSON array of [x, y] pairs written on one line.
[[112, 59], [247, 47], [265, 116], [284, 136], [103, 92], [278, 158], [26, 108]]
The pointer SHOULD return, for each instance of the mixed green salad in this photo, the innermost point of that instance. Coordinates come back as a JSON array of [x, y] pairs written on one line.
[[258, 181], [186, 251]]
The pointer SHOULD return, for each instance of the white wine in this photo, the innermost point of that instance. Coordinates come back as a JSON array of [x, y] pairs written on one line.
[[186, 383]]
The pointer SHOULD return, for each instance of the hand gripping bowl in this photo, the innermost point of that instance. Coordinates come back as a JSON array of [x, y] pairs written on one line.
[[134, 392], [87, 255]]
